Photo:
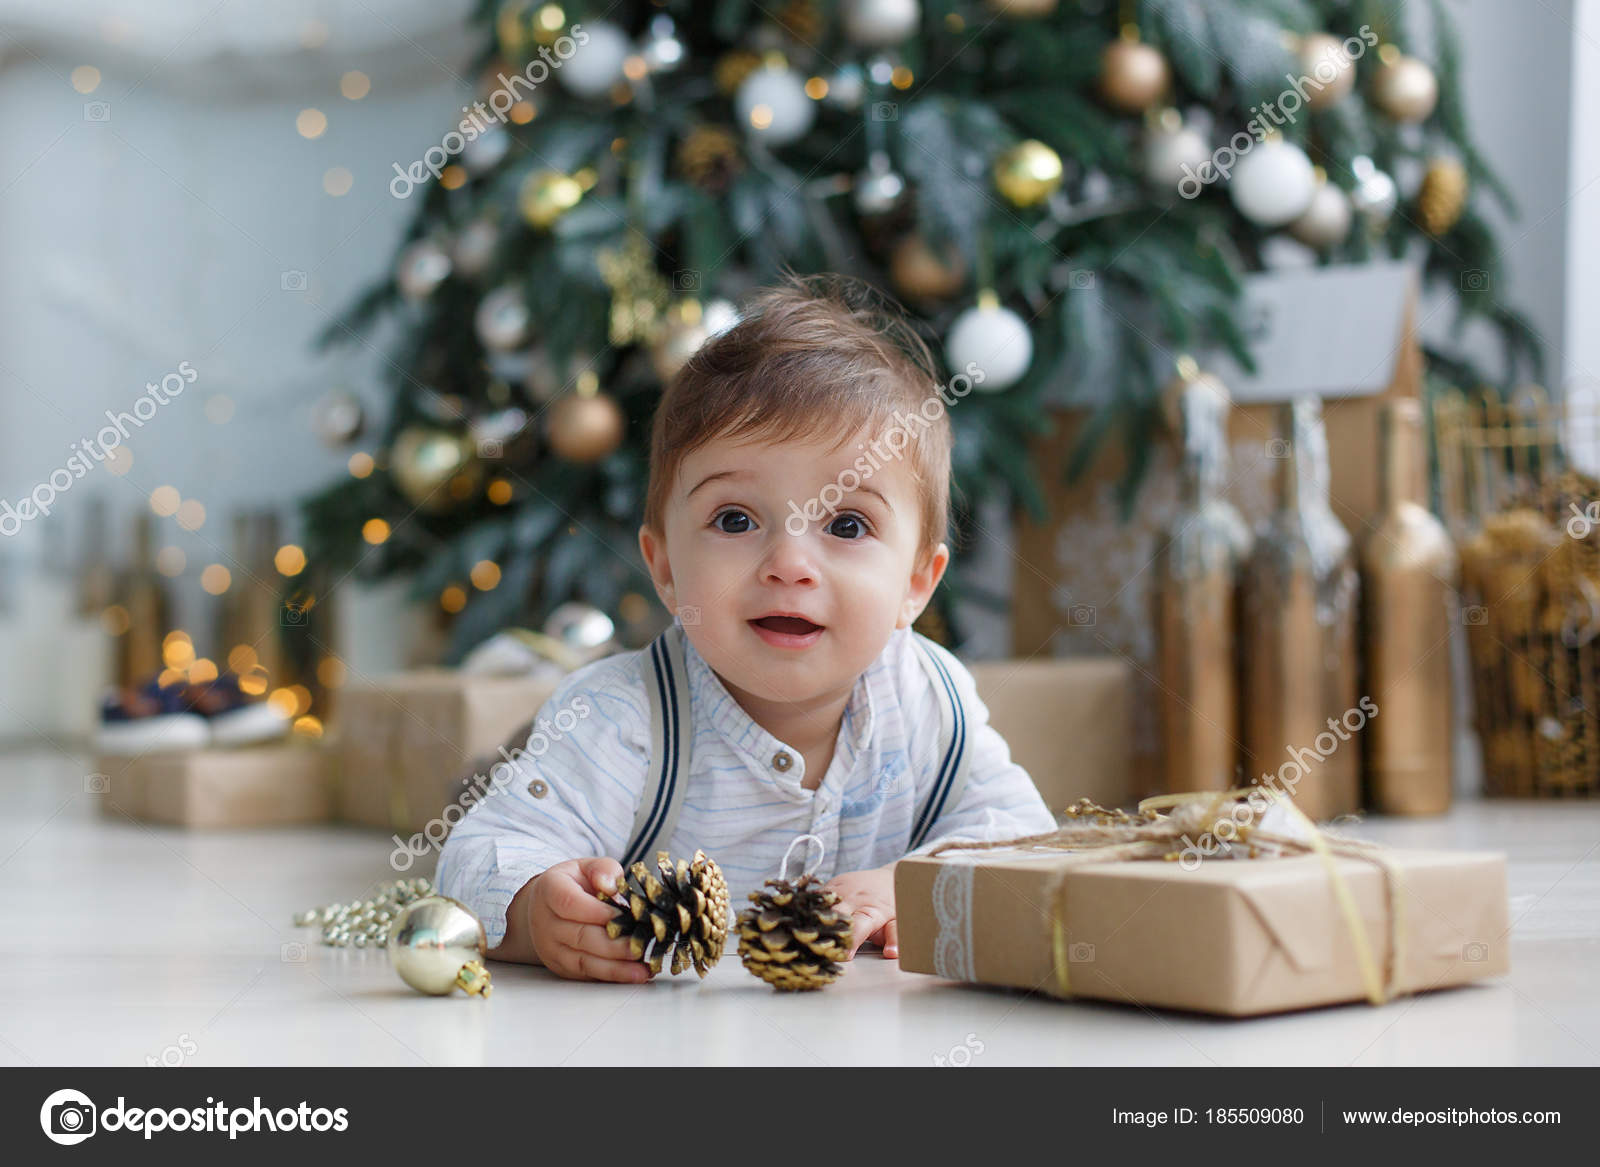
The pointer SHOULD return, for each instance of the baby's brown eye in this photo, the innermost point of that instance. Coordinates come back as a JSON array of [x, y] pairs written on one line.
[[732, 522], [847, 527]]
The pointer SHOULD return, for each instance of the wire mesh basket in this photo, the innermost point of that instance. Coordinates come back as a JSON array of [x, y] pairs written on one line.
[[1519, 492]]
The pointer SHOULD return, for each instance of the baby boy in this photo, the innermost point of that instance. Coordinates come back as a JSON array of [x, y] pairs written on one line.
[[794, 525]]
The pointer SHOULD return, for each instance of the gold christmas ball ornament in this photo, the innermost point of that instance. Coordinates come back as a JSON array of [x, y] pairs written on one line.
[[1404, 87], [1027, 173], [1022, 9], [437, 945], [585, 427], [795, 935], [546, 195], [920, 273], [678, 911], [682, 332], [433, 468], [1330, 72], [1326, 221], [1443, 196], [1133, 76]]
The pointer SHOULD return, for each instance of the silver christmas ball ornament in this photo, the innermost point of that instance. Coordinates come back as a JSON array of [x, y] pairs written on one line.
[[438, 945], [880, 23], [878, 188], [502, 318], [422, 267]]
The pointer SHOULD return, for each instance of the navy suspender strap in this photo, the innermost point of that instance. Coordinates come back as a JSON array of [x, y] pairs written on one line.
[[666, 680], [951, 778]]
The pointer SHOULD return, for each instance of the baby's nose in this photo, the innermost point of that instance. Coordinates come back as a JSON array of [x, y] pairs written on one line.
[[790, 561]]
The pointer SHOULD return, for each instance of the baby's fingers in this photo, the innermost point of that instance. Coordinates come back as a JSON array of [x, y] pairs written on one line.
[[576, 964], [590, 938], [865, 923]]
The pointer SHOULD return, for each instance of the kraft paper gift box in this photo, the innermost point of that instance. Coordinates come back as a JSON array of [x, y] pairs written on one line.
[[407, 741], [1344, 334], [253, 786], [1232, 936], [1066, 722]]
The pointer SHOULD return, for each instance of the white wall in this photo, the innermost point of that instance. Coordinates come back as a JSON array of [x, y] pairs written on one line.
[[1517, 80], [162, 234]]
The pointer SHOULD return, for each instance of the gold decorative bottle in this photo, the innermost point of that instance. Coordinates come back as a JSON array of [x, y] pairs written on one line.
[[1196, 570], [1409, 569], [144, 594], [1297, 632]]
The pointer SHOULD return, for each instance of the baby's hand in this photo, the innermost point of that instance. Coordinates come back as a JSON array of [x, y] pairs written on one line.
[[869, 897], [567, 924]]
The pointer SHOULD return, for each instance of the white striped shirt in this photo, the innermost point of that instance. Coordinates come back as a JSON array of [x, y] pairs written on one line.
[[579, 795]]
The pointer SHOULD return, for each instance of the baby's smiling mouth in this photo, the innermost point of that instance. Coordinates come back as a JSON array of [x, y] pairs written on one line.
[[788, 625]]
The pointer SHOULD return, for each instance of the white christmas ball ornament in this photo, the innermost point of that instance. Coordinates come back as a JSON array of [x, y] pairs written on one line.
[[880, 23], [1172, 155], [995, 340], [1273, 183], [596, 66], [773, 106]]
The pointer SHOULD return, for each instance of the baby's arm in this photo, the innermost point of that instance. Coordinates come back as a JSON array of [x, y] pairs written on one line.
[[531, 853]]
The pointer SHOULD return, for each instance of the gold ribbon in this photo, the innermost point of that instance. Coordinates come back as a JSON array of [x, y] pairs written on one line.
[[1152, 835]]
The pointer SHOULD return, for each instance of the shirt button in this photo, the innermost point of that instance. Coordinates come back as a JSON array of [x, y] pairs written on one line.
[[538, 788], [782, 760]]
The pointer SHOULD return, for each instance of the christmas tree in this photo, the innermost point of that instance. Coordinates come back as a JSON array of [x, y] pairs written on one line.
[[1066, 193]]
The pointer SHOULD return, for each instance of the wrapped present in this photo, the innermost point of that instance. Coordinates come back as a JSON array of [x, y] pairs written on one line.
[[259, 786], [411, 744], [1066, 722], [1311, 920]]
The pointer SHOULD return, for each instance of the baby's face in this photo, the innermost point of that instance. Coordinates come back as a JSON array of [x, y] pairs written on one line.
[[781, 606]]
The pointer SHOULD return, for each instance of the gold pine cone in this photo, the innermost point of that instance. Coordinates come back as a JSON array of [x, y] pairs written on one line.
[[709, 158], [795, 935], [678, 910], [1443, 195], [732, 68]]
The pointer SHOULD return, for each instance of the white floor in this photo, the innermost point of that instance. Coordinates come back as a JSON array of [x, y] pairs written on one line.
[[124, 944]]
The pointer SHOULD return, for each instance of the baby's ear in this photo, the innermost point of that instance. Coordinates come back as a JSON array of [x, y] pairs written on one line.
[[653, 547], [926, 572]]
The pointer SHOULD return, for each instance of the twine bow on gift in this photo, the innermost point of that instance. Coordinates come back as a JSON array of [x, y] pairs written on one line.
[[1113, 836]]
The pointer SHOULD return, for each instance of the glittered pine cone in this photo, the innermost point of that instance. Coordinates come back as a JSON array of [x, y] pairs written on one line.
[[709, 158], [1443, 196], [794, 935], [678, 910]]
